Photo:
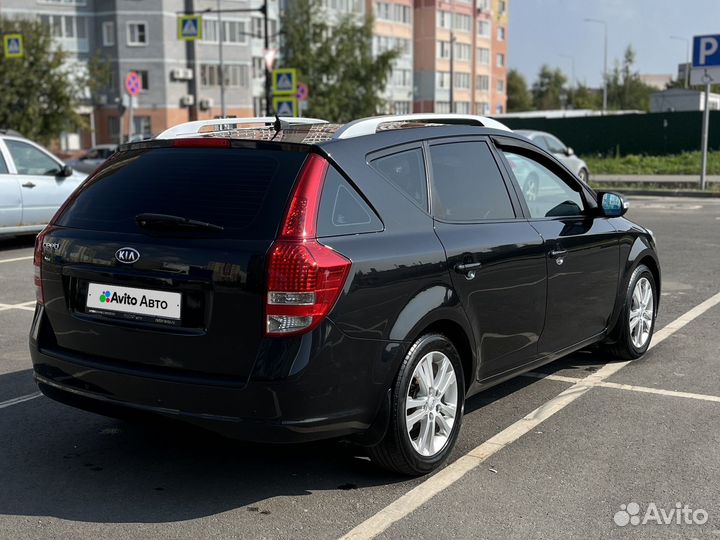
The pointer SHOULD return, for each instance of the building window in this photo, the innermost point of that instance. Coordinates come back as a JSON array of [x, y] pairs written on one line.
[[462, 51], [137, 34], [64, 2], [402, 77], [503, 7], [108, 33], [142, 125], [144, 82], [442, 107], [462, 22], [482, 107], [258, 67], [444, 19], [482, 83], [443, 49], [484, 29], [501, 33], [442, 79], [69, 31], [483, 55], [462, 107], [500, 60], [401, 107], [498, 109], [483, 5], [462, 80], [234, 32], [235, 75], [113, 128], [500, 86]]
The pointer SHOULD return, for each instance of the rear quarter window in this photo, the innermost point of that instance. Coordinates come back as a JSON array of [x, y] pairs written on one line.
[[343, 210], [406, 171], [243, 190]]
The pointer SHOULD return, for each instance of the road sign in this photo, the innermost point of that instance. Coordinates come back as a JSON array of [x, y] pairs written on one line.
[[190, 27], [13, 46], [286, 106], [133, 83], [270, 55], [705, 60], [284, 81], [302, 91]]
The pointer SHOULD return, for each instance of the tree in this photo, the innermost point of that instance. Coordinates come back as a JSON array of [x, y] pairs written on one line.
[[336, 61], [548, 88], [39, 93], [625, 88], [518, 95], [584, 97]]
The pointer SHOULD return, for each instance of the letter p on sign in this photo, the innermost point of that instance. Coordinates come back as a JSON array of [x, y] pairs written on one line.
[[708, 47]]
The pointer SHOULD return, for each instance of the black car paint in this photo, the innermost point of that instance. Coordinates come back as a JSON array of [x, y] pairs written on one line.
[[334, 380]]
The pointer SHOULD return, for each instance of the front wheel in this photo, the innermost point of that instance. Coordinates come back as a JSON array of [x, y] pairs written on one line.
[[637, 320], [426, 411]]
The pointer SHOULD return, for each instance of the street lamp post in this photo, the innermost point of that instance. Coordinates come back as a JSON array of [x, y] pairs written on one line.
[[452, 72], [687, 58], [605, 73]]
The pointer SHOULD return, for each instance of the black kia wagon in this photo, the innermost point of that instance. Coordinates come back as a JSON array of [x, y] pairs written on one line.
[[295, 280]]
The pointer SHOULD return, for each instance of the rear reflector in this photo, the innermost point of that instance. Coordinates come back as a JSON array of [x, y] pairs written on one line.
[[305, 278]]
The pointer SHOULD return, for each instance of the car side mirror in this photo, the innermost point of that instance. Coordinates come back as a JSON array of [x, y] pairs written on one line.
[[65, 171], [612, 204], [569, 151]]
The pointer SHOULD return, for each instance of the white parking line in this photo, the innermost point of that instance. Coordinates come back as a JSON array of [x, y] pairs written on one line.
[[619, 386], [16, 259], [21, 399], [425, 491], [27, 306]]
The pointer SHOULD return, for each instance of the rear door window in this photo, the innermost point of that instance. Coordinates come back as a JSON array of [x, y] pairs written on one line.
[[406, 171], [243, 190], [467, 184], [343, 210]]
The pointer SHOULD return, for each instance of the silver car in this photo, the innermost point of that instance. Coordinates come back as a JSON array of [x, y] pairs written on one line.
[[557, 148], [33, 184]]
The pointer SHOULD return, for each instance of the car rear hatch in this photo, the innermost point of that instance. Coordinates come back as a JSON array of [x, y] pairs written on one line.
[[158, 262]]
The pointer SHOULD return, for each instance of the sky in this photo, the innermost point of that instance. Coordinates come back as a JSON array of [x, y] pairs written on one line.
[[541, 31]]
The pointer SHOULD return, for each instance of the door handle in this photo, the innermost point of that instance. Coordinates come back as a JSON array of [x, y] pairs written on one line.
[[28, 185], [468, 269], [558, 253]]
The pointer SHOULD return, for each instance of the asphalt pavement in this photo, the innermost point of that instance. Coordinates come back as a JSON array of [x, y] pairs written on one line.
[[584, 448]]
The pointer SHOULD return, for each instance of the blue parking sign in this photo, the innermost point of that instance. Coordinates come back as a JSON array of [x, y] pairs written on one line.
[[706, 51]]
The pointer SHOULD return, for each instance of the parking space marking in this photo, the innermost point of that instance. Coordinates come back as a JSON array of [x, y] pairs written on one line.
[[21, 399], [619, 386], [27, 306], [420, 494], [16, 259]]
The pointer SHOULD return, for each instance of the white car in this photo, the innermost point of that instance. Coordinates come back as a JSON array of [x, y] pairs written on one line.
[[557, 148], [33, 184]]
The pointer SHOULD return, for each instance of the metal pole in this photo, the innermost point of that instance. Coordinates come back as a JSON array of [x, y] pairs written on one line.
[[687, 63], [221, 66], [452, 71], [605, 74], [131, 120], [268, 109], [705, 130]]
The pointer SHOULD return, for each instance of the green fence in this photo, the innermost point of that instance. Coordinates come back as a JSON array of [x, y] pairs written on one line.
[[650, 134]]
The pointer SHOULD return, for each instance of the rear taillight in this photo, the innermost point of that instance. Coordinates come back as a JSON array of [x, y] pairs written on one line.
[[37, 266], [305, 277]]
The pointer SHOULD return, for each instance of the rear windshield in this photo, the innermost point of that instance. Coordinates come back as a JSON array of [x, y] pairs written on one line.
[[243, 190]]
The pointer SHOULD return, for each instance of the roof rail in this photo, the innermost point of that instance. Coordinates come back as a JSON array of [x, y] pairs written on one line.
[[368, 126], [198, 128]]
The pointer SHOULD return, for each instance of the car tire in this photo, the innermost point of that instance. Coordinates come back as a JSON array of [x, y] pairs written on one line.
[[416, 450], [635, 326]]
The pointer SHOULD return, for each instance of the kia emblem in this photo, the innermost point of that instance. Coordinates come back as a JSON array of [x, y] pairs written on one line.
[[127, 255]]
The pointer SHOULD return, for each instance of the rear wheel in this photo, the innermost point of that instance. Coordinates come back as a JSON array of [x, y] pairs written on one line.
[[637, 320], [583, 175], [426, 410]]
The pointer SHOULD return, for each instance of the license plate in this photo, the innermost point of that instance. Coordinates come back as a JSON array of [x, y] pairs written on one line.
[[145, 302]]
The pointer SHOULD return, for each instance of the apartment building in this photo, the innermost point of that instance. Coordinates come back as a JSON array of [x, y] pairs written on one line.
[[460, 56], [180, 80]]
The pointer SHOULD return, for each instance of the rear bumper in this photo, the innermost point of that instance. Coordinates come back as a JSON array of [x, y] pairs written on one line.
[[324, 400]]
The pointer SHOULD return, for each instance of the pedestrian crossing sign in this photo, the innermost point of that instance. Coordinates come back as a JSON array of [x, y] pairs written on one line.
[[286, 106], [284, 81], [13, 46], [190, 27]]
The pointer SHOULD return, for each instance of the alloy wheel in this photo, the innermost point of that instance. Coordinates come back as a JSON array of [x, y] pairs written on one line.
[[641, 312]]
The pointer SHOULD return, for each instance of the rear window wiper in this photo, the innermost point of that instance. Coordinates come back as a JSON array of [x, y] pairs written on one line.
[[149, 220]]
